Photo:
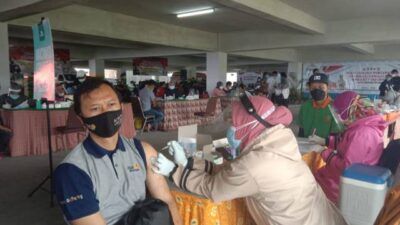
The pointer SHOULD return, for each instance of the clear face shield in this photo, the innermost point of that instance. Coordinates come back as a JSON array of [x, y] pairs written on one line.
[[339, 122]]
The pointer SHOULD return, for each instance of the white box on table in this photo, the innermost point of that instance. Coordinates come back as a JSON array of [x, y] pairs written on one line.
[[191, 140], [362, 193]]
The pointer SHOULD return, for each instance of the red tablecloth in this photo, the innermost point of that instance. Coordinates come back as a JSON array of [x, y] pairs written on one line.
[[30, 130], [180, 113]]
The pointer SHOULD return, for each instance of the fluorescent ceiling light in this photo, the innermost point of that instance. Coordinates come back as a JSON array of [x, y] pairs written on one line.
[[195, 13]]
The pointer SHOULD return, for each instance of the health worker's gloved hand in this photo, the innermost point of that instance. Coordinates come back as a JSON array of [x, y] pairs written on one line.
[[162, 165], [177, 151], [317, 140]]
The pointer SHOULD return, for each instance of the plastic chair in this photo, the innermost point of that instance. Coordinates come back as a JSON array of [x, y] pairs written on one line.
[[73, 125], [210, 109], [138, 112]]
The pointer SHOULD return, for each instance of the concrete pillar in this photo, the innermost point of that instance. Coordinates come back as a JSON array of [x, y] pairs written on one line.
[[96, 68], [4, 59], [216, 69], [295, 71]]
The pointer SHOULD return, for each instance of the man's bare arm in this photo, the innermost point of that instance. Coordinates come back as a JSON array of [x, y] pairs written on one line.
[[158, 186]]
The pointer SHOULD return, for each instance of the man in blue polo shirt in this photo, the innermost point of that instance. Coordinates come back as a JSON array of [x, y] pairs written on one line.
[[106, 174]]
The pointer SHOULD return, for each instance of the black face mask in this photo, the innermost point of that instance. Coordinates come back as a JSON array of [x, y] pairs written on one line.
[[318, 94], [106, 124]]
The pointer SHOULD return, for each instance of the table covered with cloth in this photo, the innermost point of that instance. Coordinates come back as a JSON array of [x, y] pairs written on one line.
[[29, 128], [181, 112], [196, 210], [200, 211]]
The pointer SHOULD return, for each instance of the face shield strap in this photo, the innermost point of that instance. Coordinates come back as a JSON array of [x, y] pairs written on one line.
[[251, 110]]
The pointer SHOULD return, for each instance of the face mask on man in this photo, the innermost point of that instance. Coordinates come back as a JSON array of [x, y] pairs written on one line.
[[172, 87], [318, 94], [106, 124]]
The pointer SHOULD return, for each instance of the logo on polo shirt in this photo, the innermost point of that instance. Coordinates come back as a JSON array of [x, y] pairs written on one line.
[[134, 167], [71, 199]]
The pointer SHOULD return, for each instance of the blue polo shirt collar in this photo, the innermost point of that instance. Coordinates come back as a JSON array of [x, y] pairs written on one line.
[[96, 150]]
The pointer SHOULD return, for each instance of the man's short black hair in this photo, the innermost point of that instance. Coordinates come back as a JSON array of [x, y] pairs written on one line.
[[228, 83], [394, 71], [88, 86]]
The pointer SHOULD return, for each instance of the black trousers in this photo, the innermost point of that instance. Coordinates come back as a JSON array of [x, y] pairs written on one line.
[[148, 212], [5, 137]]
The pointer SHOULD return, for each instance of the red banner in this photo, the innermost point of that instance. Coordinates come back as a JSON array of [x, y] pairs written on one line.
[[150, 66]]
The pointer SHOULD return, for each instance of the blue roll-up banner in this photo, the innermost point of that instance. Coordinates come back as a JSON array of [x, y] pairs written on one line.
[[43, 77]]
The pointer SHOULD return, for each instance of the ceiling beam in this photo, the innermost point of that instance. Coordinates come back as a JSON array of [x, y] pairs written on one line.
[[12, 9], [89, 21], [363, 48], [369, 30], [108, 53], [73, 38], [279, 12], [286, 55], [340, 54]]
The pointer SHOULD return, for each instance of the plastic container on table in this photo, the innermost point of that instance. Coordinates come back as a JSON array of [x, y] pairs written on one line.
[[362, 193]]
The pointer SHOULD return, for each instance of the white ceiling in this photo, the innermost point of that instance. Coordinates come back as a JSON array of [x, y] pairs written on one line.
[[223, 20], [346, 9]]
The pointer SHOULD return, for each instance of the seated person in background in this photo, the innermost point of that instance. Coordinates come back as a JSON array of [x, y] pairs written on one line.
[[123, 89], [242, 89], [60, 89], [70, 83], [105, 175], [385, 86], [15, 99], [315, 117], [5, 137], [361, 142], [80, 77], [147, 98], [160, 90], [171, 90], [218, 91], [282, 91], [269, 173], [234, 85], [392, 96], [228, 88]]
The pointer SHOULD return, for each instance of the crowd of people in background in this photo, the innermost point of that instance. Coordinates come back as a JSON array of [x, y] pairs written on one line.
[[389, 89], [274, 86]]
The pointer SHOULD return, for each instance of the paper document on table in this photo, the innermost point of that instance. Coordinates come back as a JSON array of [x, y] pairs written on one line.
[[223, 142], [301, 140], [189, 131]]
